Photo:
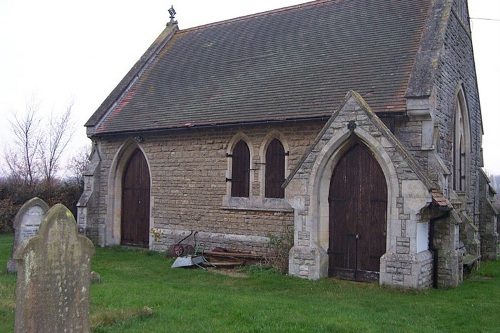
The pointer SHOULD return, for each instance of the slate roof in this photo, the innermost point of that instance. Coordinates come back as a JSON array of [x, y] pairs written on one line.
[[293, 63]]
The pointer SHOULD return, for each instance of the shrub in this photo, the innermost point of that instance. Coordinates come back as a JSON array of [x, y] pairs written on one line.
[[13, 196], [7, 215], [280, 246]]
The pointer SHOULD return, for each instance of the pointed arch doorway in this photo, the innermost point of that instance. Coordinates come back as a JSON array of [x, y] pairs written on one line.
[[357, 216], [135, 201]]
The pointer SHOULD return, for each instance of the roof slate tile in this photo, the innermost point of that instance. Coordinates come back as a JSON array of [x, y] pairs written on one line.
[[284, 64]]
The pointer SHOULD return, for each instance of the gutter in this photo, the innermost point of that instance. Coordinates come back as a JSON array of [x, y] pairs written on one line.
[[207, 126]]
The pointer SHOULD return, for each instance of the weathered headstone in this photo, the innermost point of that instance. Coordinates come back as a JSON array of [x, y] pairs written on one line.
[[53, 278], [26, 225]]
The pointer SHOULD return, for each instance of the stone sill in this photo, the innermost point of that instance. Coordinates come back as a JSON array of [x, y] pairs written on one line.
[[256, 204]]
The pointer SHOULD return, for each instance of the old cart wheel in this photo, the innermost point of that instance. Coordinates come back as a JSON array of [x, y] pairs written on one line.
[[178, 250]]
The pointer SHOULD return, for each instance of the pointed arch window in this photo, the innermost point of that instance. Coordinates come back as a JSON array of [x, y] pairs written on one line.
[[275, 170], [460, 144], [240, 178]]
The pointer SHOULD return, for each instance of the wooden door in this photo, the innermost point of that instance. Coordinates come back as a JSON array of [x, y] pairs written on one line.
[[357, 206], [135, 202]]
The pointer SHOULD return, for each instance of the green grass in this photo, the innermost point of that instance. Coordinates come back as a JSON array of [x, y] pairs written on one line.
[[193, 300]]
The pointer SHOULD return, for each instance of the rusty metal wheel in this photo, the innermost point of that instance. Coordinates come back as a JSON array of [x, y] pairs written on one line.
[[178, 250]]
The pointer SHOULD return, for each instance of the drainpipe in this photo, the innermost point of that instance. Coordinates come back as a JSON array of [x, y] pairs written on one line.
[[435, 250]]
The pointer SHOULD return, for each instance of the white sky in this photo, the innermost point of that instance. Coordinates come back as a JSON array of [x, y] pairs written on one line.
[[63, 50]]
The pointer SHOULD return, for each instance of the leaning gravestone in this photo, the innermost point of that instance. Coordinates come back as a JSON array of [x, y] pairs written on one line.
[[53, 278], [26, 225]]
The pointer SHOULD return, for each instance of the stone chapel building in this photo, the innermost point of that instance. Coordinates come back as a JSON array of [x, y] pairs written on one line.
[[355, 124]]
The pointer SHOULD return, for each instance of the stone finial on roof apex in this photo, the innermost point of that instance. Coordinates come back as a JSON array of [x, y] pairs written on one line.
[[172, 13]]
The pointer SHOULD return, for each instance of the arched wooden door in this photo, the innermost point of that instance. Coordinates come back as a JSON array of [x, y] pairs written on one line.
[[357, 203], [135, 202]]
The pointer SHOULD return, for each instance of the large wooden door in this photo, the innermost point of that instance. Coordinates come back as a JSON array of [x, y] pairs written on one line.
[[135, 202], [357, 203]]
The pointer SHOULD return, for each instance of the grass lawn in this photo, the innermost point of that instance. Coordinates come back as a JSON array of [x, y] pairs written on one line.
[[194, 300]]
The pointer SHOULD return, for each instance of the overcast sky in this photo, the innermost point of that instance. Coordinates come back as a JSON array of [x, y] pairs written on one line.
[[64, 50]]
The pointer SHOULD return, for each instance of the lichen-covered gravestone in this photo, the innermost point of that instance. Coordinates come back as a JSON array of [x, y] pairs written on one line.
[[53, 278], [26, 225]]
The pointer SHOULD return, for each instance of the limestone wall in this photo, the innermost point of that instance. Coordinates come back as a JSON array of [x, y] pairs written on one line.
[[457, 70], [189, 189], [456, 73], [429, 137], [488, 220], [408, 194]]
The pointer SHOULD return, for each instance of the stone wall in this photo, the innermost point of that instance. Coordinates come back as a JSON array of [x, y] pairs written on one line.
[[457, 70], [488, 220], [189, 190], [446, 243], [429, 137], [430, 132], [408, 188]]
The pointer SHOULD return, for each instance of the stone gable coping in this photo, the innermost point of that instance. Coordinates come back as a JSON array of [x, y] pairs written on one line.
[[426, 63], [380, 127]]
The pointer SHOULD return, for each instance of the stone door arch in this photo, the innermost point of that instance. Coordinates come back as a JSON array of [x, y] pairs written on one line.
[[112, 227], [398, 260]]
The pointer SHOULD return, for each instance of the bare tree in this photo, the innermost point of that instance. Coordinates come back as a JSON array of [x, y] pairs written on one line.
[[56, 139], [21, 158], [37, 146], [79, 162]]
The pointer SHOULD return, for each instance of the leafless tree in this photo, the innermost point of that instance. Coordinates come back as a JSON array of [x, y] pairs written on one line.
[[21, 157], [37, 146], [79, 162], [56, 139]]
